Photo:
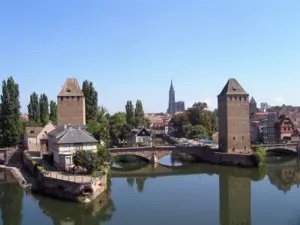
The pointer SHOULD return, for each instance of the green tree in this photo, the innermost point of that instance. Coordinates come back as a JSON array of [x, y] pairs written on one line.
[[196, 131], [200, 105], [10, 123], [53, 112], [34, 108], [103, 155], [139, 113], [99, 128], [44, 109], [91, 100], [129, 109], [118, 128], [196, 121], [88, 160], [178, 121]]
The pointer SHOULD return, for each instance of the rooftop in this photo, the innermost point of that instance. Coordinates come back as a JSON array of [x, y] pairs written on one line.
[[33, 131], [67, 134], [233, 87], [71, 88]]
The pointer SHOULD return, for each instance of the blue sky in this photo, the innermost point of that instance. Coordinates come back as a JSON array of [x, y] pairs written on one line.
[[131, 49]]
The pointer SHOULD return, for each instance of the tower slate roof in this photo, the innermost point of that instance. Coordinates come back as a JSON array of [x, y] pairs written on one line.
[[252, 100], [71, 88], [232, 87]]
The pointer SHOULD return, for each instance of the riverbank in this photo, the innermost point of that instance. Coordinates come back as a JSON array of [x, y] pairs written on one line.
[[31, 176], [62, 185]]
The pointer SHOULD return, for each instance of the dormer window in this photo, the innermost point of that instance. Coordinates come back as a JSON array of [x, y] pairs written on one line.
[[32, 131], [233, 88], [68, 90]]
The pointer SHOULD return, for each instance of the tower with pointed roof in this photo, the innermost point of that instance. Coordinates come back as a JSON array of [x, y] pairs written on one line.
[[252, 106], [234, 124], [71, 104], [171, 108]]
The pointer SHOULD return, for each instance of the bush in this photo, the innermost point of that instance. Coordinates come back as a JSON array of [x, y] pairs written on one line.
[[92, 161], [260, 156]]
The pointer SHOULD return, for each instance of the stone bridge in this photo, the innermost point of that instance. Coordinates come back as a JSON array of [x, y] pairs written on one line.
[[289, 148], [153, 154]]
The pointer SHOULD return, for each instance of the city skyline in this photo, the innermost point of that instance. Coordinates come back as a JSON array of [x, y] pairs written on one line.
[[132, 51]]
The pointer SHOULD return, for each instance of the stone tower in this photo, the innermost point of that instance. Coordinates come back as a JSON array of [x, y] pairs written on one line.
[[252, 106], [234, 123], [235, 200], [71, 104], [171, 108]]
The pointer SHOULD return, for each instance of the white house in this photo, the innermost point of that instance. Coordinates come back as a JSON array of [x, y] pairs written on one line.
[[139, 137], [65, 140]]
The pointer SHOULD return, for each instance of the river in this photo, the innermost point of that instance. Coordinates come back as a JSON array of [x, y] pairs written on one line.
[[189, 194]]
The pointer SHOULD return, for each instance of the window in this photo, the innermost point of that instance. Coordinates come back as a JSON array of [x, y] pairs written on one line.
[[230, 98], [68, 160], [240, 98], [235, 98], [242, 137], [233, 138], [67, 98], [61, 98], [68, 90], [78, 98]]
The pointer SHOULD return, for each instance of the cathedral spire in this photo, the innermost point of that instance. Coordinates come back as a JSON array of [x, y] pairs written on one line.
[[171, 86]]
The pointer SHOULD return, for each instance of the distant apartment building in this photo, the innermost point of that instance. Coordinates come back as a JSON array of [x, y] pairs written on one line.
[[174, 106], [268, 130], [254, 132]]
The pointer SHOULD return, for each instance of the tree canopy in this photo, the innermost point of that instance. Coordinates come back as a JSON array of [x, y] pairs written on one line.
[[53, 112], [44, 109], [91, 100], [195, 122], [10, 123]]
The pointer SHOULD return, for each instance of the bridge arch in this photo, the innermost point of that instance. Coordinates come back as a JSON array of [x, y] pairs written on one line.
[[282, 150], [137, 154]]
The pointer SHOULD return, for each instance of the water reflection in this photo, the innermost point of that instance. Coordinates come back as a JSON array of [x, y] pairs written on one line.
[[99, 211], [283, 173], [170, 160], [235, 200], [11, 200], [168, 195]]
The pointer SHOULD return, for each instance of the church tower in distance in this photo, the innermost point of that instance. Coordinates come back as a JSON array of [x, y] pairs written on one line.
[[71, 104], [234, 123], [171, 108]]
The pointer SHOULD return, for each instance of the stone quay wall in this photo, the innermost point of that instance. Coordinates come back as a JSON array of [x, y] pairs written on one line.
[[213, 156], [65, 186]]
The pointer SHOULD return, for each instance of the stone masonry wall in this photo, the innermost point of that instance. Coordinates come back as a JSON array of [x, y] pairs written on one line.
[[67, 187], [71, 110]]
